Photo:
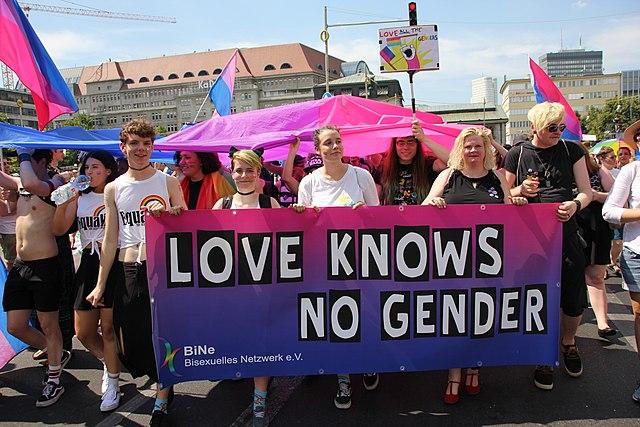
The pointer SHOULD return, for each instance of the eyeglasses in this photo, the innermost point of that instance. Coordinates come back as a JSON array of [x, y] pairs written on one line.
[[406, 143], [555, 128]]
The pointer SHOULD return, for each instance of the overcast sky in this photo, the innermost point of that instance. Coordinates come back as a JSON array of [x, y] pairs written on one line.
[[490, 38]]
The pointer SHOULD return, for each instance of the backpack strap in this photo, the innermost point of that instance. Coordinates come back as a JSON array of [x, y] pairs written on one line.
[[264, 201], [226, 203], [518, 182]]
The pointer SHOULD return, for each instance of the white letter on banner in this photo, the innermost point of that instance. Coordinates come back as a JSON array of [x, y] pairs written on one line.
[[316, 317], [489, 250], [176, 275], [338, 256], [533, 310], [406, 240], [459, 259], [381, 257], [458, 311], [402, 317], [204, 258], [422, 314], [483, 298], [286, 258], [256, 269], [507, 310], [351, 304]]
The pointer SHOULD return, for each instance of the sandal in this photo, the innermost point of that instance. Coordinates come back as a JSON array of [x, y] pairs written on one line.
[[472, 376], [449, 396]]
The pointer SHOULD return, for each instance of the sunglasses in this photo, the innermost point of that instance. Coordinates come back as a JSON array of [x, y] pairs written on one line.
[[406, 143], [555, 128]]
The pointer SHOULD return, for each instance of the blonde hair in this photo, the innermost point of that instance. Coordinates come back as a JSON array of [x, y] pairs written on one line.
[[247, 156], [542, 115], [456, 159]]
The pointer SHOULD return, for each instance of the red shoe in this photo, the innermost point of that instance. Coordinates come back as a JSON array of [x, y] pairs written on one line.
[[449, 397], [472, 376]]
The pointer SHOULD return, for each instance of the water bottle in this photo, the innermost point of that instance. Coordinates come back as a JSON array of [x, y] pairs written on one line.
[[64, 192]]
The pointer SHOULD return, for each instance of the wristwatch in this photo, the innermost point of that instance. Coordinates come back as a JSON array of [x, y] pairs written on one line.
[[578, 205]]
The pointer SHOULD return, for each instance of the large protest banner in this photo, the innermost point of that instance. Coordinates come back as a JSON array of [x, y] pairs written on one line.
[[244, 293]]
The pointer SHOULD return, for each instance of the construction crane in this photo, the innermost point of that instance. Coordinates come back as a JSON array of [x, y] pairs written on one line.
[[7, 74]]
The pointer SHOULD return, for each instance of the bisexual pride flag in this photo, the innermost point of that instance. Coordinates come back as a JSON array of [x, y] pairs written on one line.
[[22, 51], [9, 346], [221, 92], [546, 90]]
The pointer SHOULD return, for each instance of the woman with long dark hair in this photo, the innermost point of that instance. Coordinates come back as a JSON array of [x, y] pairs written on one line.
[[87, 209], [408, 172]]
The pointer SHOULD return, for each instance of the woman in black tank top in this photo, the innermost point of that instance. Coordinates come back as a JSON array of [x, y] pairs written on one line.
[[469, 179], [245, 170]]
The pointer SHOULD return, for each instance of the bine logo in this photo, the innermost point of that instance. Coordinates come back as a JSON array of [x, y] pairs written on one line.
[[169, 356]]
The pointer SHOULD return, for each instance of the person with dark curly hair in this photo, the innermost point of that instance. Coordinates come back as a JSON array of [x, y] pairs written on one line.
[[203, 182]]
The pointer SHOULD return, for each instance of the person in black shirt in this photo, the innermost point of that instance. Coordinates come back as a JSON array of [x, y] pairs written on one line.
[[545, 170], [407, 172], [470, 178]]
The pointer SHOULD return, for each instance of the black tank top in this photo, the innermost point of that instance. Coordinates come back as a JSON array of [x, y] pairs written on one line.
[[464, 190], [264, 201]]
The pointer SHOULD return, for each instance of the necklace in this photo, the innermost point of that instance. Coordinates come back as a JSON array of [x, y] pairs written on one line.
[[246, 194], [547, 173], [140, 169]]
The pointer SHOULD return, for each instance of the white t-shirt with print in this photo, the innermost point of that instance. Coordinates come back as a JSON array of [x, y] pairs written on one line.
[[355, 186]]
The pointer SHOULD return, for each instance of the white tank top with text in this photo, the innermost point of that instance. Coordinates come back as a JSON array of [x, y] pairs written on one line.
[[91, 218], [131, 196]]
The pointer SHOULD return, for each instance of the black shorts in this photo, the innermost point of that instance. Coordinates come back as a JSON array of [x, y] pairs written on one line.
[[33, 284], [596, 233], [573, 294], [87, 277], [132, 320]]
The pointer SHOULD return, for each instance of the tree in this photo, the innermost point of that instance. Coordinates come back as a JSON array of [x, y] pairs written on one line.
[[161, 130], [613, 118], [82, 120], [4, 118]]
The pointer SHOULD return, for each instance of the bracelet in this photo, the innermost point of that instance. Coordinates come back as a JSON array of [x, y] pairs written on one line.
[[24, 157], [578, 204]]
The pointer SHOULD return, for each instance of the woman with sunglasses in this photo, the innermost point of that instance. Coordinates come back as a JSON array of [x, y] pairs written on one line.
[[547, 169], [245, 171], [407, 171], [470, 178]]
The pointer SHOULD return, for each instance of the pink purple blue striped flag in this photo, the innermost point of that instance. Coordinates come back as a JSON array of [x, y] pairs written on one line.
[[221, 92]]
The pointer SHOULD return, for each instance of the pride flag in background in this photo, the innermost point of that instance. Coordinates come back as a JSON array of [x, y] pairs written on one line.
[[546, 90], [22, 51], [9, 346], [221, 92]]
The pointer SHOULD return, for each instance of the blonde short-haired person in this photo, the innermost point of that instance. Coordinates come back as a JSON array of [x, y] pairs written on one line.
[[545, 170], [626, 192], [470, 178]]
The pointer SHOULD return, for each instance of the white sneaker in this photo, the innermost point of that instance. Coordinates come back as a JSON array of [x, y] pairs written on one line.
[[105, 380], [110, 399]]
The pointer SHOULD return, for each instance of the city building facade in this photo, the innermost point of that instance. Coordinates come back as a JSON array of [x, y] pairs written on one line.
[[488, 115], [581, 92], [631, 83], [572, 62], [359, 81], [484, 90], [170, 90], [18, 107]]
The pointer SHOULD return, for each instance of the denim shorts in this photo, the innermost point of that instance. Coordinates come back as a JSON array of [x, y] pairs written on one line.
[[618, 233], [630, 267]]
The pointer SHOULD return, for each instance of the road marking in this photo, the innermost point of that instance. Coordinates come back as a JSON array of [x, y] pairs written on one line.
[[626, 326], [127, 409]]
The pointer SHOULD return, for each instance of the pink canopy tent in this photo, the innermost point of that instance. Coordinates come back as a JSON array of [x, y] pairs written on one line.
[[366, 127]]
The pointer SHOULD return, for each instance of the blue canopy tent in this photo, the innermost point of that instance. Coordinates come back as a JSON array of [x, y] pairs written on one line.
[[73, 138]]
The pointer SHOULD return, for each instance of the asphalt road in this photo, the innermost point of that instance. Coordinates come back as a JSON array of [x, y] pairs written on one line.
[[601, 396]]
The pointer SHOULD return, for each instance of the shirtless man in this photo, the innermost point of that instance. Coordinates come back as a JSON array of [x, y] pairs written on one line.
[[33, 281], [127, 199]]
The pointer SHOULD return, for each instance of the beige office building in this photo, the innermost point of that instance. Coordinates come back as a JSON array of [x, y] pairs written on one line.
[[169, 90], [581, 92]]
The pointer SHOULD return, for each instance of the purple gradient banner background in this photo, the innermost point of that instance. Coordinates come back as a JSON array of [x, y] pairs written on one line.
[[247, 320]]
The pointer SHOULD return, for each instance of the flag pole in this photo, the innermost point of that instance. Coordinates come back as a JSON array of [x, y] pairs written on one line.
[[201, 105]]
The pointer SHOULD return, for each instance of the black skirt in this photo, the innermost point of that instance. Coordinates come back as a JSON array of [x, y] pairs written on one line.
[[87, 277]]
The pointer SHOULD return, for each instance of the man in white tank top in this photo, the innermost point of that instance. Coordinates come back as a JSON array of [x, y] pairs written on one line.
[[140, 190]]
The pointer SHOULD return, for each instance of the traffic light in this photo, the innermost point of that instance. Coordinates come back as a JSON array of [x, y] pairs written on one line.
[[413, 13]]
